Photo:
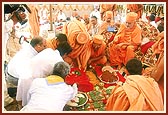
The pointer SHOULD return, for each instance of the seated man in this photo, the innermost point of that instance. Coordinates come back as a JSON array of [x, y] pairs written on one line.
[[98, 48], [137, 93], [51, 94], [108, 26], [125, 42]]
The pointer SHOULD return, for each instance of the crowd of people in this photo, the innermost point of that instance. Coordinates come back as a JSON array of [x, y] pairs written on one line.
[[37, 66]]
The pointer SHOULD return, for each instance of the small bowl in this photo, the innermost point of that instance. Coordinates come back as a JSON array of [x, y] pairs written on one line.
[[75, 104]]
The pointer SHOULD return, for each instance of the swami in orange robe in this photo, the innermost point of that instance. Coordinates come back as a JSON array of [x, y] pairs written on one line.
[[98, 47], [79, 39], [109, 21], [125, 42], [137, 93]]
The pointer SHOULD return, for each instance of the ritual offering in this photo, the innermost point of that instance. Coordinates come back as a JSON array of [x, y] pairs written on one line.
[[109, 75], [79, 100]]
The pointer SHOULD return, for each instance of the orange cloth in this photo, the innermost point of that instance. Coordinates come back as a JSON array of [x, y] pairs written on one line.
[[158, 47], [125, 42], [108, 7], [88, 25], [80, 52], [104, 26], [131, 16], [98, 39], [138, 93], [109, 14], [137, 8], [34, 21], [51, 43], [157, 72], [85, 16], [98, 55]]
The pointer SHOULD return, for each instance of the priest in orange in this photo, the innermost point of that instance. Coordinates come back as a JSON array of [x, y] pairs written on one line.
[[108, 21], [79, 39], [137, 93], [98, 47], [125, 42]]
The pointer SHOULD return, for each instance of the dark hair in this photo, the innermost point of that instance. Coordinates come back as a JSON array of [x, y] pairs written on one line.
[[152, 17], [64, 48], [61, 69], [61, 37], [134, 67], [36, 40], [94, 17]]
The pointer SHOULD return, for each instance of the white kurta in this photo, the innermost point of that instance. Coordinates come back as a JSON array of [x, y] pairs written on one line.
[[18, 65], [40, 66], [44, 97]]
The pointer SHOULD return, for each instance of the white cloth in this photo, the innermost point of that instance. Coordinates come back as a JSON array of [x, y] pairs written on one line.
[[43, 97], [7, 30], [61, 16], [18, 65], [97, 14], [153, 24], [41, 66]]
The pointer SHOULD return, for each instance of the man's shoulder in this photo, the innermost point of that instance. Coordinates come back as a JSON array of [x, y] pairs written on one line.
[[118, 89]]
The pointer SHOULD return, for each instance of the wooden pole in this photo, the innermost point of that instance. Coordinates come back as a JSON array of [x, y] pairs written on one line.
[[51, 21]]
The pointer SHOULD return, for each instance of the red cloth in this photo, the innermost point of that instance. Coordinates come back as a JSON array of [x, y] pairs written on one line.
[[80, 78], [145, 47]]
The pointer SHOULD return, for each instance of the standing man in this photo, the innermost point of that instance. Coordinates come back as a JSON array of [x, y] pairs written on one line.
[[13, 13]]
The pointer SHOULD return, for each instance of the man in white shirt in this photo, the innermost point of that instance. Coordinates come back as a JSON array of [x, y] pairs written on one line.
[[96, 13], [94, 29], [51, 94], [13, 13], [18, 64], [40, 66]]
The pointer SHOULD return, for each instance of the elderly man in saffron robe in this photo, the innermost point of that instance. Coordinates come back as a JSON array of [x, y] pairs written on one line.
[[125, 42], [79, 39], [98, 47]]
